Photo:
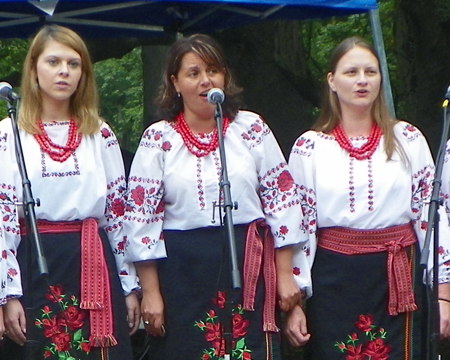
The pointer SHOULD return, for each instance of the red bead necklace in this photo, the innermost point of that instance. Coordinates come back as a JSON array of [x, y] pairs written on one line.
[[195, 146], [365, 151], [57, 152]]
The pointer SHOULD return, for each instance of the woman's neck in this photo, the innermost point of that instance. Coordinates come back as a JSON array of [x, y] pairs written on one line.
[[357, 124], [199, 125], [55, 112]]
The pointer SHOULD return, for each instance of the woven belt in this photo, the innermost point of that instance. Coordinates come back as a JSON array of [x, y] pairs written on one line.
[[259, 250], [394, 240], [95, 286]]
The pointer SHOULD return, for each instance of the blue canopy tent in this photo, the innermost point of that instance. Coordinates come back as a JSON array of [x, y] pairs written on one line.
[[124, 18], [163, 19]]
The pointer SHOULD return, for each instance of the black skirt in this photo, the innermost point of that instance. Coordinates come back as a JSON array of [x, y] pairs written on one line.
[[194, 280], [348, 312], [62, 252]]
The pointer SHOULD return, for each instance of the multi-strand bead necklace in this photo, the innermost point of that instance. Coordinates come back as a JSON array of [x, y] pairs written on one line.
[[57, 152], [365, 151], [194, 145]]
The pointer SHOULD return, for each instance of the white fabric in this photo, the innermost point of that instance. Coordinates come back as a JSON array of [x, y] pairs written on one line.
[[164, 169], [89, 184], [401, 187]]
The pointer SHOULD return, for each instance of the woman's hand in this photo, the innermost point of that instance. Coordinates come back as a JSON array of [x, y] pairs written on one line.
[[134, 312], [152, 308], [152, 305], [2, 323], [444, 310], [444, 315], [296, 328], [289, 294], [15, 322]]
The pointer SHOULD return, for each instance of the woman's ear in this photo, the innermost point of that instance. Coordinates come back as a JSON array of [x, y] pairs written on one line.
[[174, 82], [330, 80]]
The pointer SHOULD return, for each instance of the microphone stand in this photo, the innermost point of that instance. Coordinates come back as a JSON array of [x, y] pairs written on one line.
[[33, 236], [228, 206], [433, 327]]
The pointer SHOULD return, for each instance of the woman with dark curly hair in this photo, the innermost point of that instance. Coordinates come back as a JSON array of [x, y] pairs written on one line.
[[179, 252]]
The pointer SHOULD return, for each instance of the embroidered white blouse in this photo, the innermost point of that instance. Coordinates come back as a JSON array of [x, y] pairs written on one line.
[[366, 194], [89, 184], [170, 188]]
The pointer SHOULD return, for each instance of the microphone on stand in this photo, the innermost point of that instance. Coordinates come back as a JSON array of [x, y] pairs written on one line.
[[215, 96], [446, 98], [7, 93]]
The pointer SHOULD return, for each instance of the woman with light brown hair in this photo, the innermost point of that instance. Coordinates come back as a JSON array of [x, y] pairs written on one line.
[[367, 179], [181, 254], [75, 167]]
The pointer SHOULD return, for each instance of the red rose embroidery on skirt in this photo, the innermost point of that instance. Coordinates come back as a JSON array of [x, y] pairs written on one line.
[[374, 348]]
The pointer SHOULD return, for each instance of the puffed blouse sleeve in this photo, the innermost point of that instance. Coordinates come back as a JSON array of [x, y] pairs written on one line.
[[277, 190], [301, 164], [112, 222], [10, 231], [281, 198], [422, 166], [145, 205], [444, 236]]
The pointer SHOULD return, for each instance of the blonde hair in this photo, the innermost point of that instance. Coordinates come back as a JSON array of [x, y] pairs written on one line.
[[330, 114], [83, 103]]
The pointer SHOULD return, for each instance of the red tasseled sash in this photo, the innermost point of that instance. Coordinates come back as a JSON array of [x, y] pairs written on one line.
[[95, 287], [393, 240], [256, 251]]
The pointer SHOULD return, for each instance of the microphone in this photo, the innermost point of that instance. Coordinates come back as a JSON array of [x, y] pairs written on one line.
[[447, 95], [216, 96], [7, 93]]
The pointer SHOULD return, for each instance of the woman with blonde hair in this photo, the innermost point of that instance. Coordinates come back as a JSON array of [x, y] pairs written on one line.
[[367, 180], [75, 167]]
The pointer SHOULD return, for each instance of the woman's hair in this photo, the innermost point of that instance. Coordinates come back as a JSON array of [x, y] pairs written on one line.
[[83, 103], [169, 103], [330, 114]]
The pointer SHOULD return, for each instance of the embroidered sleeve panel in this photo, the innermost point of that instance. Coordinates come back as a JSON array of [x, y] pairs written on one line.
[[444, 247], [115, 206], [10, 279], [277, 191], [144, 201]]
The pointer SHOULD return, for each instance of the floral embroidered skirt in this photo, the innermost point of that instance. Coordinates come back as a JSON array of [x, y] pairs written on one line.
[[348, 313], [66, 337], [194, 284]]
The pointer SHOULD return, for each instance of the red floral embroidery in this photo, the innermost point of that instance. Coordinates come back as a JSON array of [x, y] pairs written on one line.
[[373, 349], [118, 207], [296, 271], [214, 333], [64, 328], [62, 341], [364, 323], [285, 181], [137, 195], [239, 326], [166, 146], [377, 350], [105, 133], [55, 294]]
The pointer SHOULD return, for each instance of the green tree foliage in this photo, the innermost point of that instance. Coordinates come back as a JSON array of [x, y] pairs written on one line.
[[121, 93], [12, 54]]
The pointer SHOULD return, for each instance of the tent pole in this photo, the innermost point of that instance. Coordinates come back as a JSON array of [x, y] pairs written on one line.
[[379, 46]]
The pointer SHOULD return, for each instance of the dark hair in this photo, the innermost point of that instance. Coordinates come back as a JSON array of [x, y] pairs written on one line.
[[330, 114], [209, 50]]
